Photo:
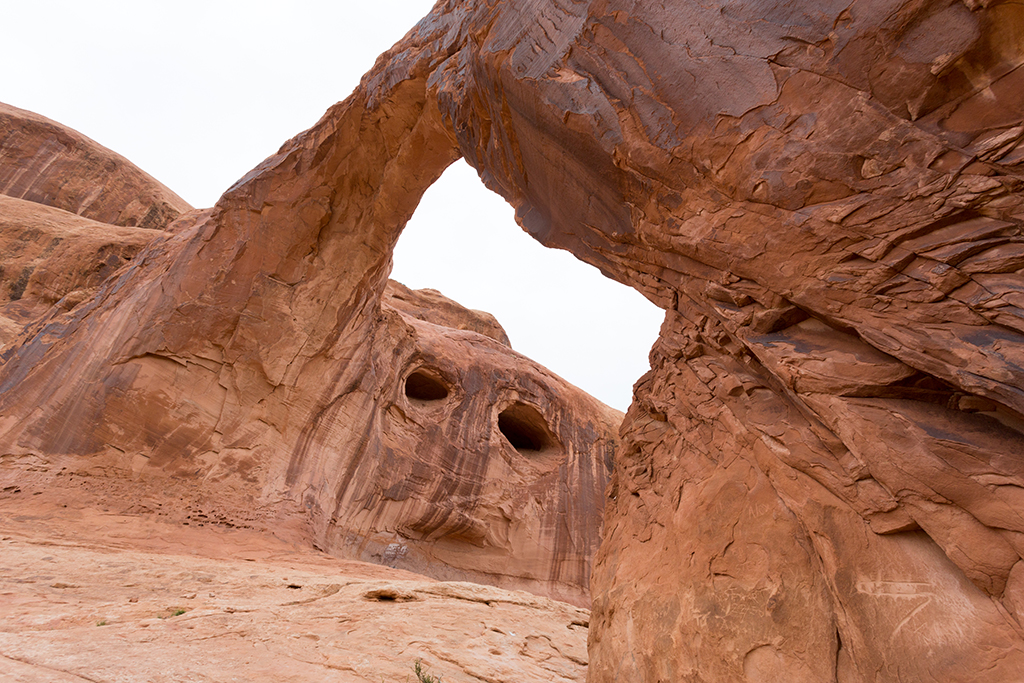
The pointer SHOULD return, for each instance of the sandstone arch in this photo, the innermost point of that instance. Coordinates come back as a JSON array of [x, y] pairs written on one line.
[[821, 475], [249, 354]]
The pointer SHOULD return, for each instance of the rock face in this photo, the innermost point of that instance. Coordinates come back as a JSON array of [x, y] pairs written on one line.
[[431, 306], [448, 453], [468, 462], [91, 595], [50, 257], [42, 161], [821, 476]]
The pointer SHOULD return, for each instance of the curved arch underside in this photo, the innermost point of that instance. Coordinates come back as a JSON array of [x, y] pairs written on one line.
[[821, 478]]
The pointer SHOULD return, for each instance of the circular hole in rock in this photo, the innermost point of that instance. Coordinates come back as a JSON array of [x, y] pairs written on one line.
[[525, 428], [424, 386]]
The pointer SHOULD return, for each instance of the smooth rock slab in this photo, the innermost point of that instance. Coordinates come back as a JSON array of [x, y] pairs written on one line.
[[88, 595]]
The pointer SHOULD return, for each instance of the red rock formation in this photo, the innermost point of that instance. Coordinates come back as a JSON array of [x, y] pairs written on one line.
[[461, 460], [821, 476], [431, 306], [47, 163], [49, 257], [446, 453]]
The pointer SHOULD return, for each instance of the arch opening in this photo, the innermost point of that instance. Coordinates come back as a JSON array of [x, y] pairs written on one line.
[[566, 315]]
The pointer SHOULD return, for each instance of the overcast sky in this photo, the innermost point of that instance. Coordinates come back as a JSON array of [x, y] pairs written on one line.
[[196, 93]]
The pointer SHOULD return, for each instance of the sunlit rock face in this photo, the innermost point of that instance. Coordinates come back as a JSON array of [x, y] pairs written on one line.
[[446, 452], [821, 478]]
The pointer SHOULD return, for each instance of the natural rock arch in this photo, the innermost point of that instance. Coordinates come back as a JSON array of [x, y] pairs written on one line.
[[249, 353], [820, 478]]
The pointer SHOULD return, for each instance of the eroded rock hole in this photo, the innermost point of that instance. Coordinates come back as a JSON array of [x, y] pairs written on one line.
[[525, 428], [424, 386], [390, 594]]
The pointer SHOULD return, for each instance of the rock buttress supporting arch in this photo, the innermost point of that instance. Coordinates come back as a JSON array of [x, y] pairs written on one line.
[[820, 478]]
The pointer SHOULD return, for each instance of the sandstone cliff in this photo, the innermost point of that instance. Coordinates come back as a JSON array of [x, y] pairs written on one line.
[[820, 478], [50, 257]]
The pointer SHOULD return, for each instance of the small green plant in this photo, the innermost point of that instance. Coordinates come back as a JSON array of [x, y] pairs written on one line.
[[101, 623], [422, 676], [178, 612]]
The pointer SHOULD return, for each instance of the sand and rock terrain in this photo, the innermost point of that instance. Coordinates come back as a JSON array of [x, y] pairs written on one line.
[[88, 593]]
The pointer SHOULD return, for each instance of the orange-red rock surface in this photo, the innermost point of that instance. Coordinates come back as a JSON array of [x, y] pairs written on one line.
[[42, 161], [51, 258], [447, 453], [89, 593], [431, 306], [821, 477]]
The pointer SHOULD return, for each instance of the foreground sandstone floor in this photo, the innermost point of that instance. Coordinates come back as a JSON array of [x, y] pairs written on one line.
[[101, 596]]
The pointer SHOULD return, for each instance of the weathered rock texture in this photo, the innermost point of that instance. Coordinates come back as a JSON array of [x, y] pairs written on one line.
[[45, 162], [95, 595], [821, 478], [50, 257], [445, 452], [433, 307]]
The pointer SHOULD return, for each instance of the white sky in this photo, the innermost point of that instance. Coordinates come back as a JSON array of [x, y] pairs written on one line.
[[196, 93]]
